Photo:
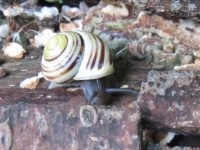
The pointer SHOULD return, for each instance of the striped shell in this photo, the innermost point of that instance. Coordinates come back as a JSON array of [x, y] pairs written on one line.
[[76, 55]]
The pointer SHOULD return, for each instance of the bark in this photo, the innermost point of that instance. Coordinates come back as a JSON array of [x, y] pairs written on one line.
[[59, 125], [161, 147], [61, 118], [171, 101], [186, 9]]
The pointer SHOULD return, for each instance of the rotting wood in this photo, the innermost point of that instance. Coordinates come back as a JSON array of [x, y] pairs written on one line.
[[162, 147], [47, 104], [14, 100], [59, 125], [170, 100], [50, 119], [178, 9]]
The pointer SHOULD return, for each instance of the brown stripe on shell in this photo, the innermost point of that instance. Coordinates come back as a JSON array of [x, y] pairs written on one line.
[[63, 72], [110, 58], [80, 54], [90, 57], [102, 57], [82, 48], [95, 56], [67, 69], [71, 66]]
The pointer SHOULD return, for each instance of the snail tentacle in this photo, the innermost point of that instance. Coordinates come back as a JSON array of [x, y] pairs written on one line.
[[122, 90]]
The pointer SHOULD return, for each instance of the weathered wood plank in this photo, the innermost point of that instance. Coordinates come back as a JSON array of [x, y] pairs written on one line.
[[59, 125], [162, 147], [170, 99], [178, 9], [50, 119]]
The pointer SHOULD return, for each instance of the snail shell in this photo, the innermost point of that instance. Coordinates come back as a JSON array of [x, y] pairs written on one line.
[[76, 55]]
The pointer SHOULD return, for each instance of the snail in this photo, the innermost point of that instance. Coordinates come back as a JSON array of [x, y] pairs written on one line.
[[81, 55]]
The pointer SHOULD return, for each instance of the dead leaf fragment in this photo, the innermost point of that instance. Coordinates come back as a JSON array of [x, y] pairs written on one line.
[[67, 27], [30, 83]]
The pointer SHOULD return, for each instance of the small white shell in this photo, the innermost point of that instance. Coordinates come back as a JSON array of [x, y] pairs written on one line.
[[13, 50], [75, 25], [30, 83], [13, 11], [67, 27], [115, 10], [42, 38], [65, 9], [83, 7], [79, 24], [49, 11], [70, 11], [4, 30], [46, 12]]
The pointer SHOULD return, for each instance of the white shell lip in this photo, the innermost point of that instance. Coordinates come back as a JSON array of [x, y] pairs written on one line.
[[168, 138]]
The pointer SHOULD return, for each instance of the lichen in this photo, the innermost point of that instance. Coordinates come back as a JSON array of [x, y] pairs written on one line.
[[158, 83]]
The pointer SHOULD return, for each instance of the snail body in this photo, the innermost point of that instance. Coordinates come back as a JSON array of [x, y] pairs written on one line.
[[80, 55]]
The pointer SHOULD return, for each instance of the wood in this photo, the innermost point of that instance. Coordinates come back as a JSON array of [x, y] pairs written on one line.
[[45, 114], [57, 119], [170, 99], [50, 119], [174, 9], [161, 147], [57, 125]]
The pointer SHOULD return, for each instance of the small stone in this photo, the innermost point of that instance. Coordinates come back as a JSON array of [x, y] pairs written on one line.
[[5, 136], [186, 59], [3, 72], [119, 10]]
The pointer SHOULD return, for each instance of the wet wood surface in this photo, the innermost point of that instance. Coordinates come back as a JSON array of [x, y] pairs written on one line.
[[43, 112], [59, 118], [51, 119], [29, 66]]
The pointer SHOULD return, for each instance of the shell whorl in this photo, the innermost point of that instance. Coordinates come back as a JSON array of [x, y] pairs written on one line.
[[76, 55]]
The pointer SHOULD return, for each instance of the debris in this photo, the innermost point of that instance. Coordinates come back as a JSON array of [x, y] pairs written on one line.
[[13, 50], [5, 136], [30, 83], [3, 72], [88, 115]]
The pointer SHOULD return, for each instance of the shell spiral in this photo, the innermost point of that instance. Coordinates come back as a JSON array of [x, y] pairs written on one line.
[[76, 55]]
